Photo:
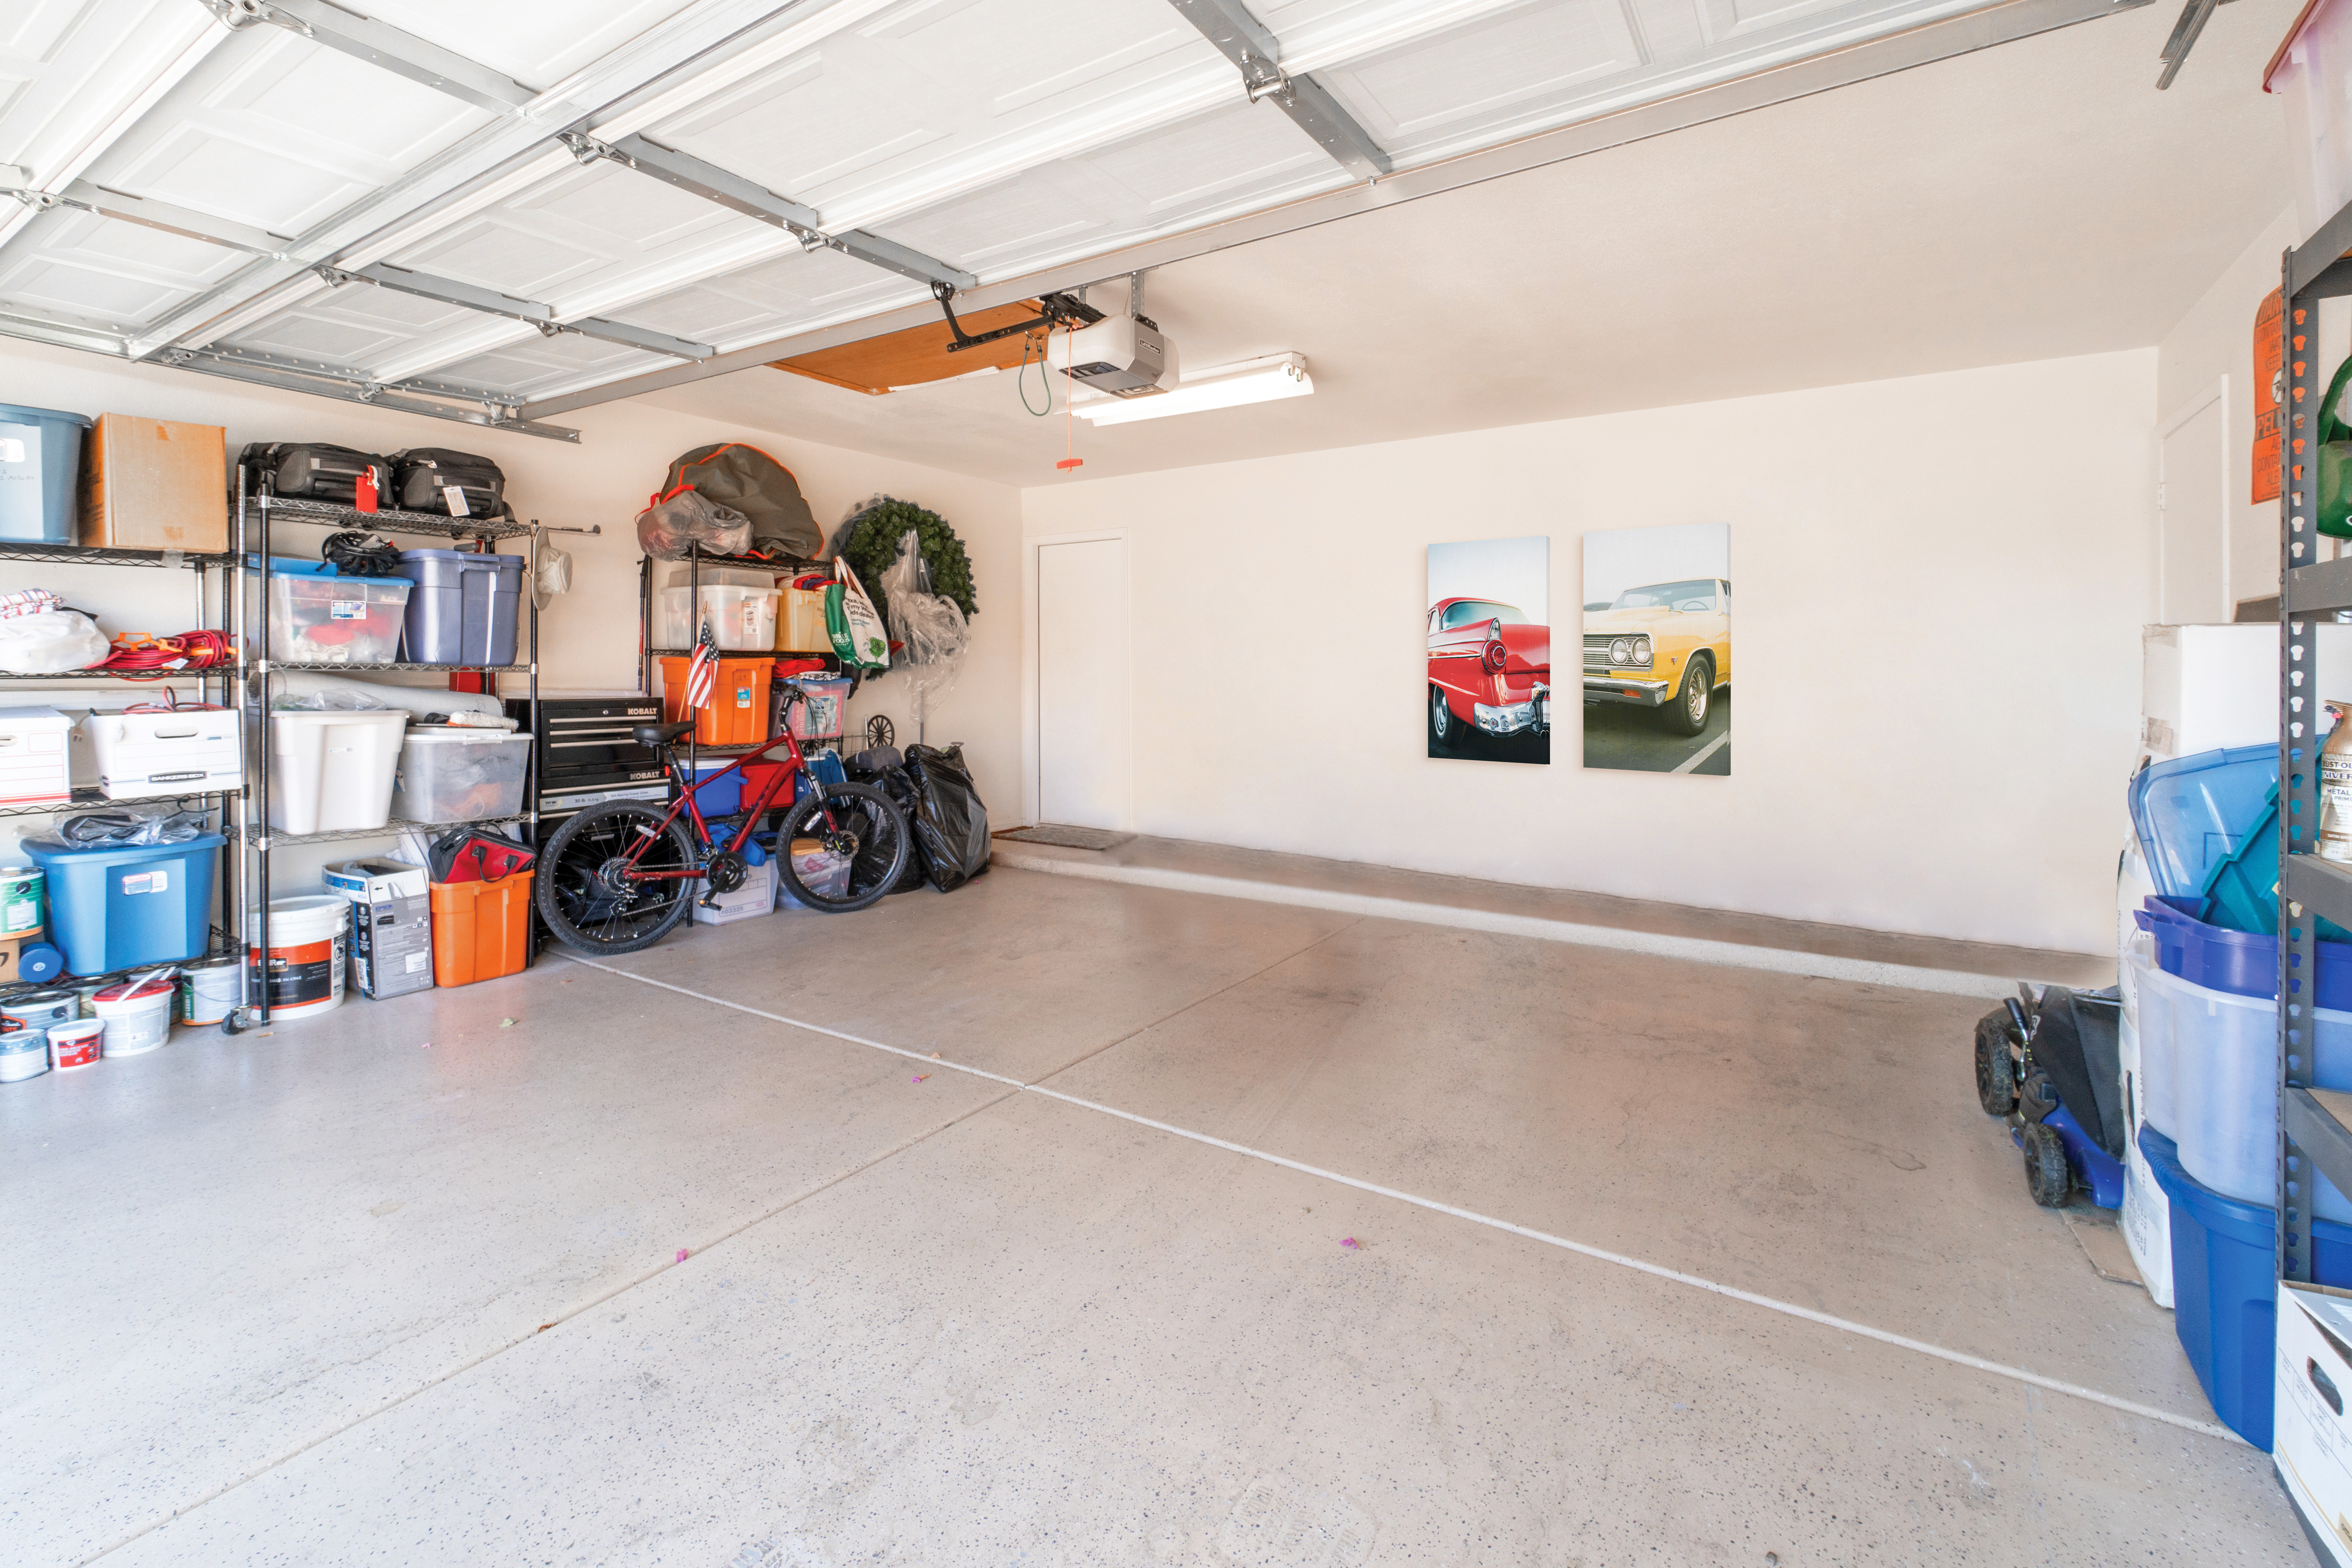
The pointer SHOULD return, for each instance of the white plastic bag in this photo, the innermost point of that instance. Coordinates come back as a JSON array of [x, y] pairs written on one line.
[[930, 626], [666, 528], [51, 643]]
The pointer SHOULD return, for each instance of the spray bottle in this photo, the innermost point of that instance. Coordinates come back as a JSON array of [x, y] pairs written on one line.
[[2336, 785]]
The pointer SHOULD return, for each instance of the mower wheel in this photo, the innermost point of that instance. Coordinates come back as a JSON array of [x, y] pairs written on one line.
[[2047, 1176], [1996, 1070]]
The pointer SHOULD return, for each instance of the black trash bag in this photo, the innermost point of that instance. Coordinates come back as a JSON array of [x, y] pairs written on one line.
[[950, 824], [881, 768], [2076, 1043]]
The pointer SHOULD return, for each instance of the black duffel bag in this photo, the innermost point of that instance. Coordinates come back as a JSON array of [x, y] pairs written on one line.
[[314, 470], [950, 822], [423, 476]]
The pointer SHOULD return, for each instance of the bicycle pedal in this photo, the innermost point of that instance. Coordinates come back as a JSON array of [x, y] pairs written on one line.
[[709, 900]]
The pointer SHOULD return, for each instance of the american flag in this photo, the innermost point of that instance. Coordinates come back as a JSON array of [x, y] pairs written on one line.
[[703, 673]]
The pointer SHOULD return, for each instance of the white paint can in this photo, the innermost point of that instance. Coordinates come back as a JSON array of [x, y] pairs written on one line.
[[137, 1016], [75, 1045], [24, 1053]]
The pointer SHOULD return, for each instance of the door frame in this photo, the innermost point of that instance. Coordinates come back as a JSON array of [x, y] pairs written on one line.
[[2216, 392], [1032, 674]]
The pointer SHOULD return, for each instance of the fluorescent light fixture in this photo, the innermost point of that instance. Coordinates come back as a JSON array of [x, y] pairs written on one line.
[[1222, 386]]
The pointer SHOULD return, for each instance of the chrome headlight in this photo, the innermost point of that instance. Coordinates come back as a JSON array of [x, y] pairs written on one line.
[[1641, 650], [1621, 651]]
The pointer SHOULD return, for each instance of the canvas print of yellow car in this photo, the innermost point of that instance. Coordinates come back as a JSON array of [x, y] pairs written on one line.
[[1489, 625], [1657, 648]]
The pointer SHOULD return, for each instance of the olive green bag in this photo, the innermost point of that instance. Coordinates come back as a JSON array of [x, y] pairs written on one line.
[[2335, 460]]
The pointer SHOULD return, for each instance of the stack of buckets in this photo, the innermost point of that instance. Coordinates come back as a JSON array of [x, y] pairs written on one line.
[[2207, 985]]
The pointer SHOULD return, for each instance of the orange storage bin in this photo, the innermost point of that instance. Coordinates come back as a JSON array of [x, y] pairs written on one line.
[[737, 713], [480, 929]]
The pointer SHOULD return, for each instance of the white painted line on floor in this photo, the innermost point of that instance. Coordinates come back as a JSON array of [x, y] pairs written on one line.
[[1697, 950], [1691, 763], [1640, 1265]]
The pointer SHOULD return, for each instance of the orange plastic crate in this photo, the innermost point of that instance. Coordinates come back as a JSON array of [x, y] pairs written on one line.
[[480, 929], [737, 713]]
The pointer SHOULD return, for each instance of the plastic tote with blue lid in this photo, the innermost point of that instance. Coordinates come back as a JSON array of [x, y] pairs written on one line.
[[2194, 813]]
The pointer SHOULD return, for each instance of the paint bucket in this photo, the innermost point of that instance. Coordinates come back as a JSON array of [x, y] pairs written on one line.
[[208, 991], [40, 1009], [306, 953], [75, 1045], [137, 1014], [24, 1053], [20, 899]]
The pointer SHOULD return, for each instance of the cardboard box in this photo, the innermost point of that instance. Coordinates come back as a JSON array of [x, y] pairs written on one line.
[[392, 925], [155, 484], [2312, 1436]]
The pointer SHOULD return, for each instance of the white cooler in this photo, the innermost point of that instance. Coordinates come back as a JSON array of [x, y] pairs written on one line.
[[330, 772], [140, 756], [34, 762]]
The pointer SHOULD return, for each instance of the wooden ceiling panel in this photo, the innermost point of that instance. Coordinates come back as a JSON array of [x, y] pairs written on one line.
[[921, 354]]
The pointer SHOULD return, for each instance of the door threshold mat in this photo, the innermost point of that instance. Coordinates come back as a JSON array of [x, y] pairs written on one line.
[[1069, 838]]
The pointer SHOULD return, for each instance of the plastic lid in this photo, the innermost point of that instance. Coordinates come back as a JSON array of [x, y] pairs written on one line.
[[131, 989], [459, 734], [19, 411]]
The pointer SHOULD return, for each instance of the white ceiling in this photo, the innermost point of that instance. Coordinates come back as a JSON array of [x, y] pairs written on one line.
[[2032, 201], [998, 136]]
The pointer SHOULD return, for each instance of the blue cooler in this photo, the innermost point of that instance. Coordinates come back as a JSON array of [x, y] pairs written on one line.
[[2224, 1295], [120, 907], [715, 796]]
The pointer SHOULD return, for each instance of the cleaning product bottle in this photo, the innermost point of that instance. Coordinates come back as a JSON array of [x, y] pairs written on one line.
[[2336, 786]]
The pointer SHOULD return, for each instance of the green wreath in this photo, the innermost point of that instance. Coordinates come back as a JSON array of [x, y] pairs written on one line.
[[869, 543]]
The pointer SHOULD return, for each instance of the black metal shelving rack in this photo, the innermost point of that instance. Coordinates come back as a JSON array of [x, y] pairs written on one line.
[[647, 652], [224, 678], [2315, 1125], [256, 516]]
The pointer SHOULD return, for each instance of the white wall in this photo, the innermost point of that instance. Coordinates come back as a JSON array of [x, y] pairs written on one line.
[[588, 639], [2215, 339], [1942, 582]]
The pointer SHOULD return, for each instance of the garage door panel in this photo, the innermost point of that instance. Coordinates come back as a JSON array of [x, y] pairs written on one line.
[[1469, 74], [535, 42]]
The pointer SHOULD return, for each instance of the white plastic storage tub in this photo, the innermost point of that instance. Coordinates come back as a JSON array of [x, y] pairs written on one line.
[[34, 761], [458, 775], [2209, 1080], [337, 620], [462, 609], [331, 770], [141, 755], [2313, 75], [742, 619]]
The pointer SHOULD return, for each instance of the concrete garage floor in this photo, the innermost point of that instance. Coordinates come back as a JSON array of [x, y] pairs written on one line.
[[331, 1296]]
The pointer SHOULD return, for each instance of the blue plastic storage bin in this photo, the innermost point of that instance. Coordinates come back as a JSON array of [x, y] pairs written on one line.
[[120, 908], [718, 797], [40, 473], [2238, 962], [2225, 1296], [2192, 813], [464, 607]]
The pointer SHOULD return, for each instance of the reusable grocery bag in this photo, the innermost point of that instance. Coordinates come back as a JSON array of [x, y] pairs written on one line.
[[851, 623]]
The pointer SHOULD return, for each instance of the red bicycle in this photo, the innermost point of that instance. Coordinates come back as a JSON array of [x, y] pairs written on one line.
[[617, 877]]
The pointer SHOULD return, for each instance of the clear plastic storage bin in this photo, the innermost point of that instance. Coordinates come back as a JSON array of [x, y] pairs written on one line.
[[459, 775], [2207, 1077], [2313, 75], [337, 620], [742, 619]]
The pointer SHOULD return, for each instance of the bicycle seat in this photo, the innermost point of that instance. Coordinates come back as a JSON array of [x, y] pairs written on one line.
[[660, 734]]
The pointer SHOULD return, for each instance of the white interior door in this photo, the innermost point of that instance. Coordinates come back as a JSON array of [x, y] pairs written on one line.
[[1083, 699], [2193, 576]]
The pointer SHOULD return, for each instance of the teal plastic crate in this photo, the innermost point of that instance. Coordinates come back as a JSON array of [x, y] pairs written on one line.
[[2241, 892]]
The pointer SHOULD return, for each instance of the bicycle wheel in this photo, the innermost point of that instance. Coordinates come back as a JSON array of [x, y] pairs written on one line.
[[585, 895], [856, 822]]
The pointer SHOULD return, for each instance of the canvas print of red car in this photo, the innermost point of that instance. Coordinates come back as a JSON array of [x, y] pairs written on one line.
[[1490, 694]]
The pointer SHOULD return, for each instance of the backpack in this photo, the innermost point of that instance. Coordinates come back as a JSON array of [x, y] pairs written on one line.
[[746, 479]]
